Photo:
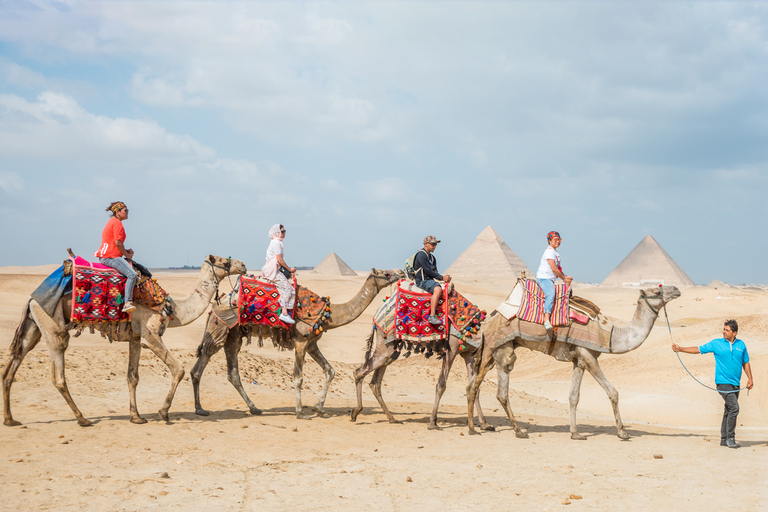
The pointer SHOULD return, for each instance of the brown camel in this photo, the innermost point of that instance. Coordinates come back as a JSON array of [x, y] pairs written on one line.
[[500, 339], [381, 352], [147, 325], [302, 337]]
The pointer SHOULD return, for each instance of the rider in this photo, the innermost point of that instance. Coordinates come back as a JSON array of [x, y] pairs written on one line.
[[549, 270], [273, 270], [425, 270], [113, 253]]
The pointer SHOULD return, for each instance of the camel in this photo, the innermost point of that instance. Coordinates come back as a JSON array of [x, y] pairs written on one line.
[[147, 326], [302, 337], [379, 354], [495, 349]]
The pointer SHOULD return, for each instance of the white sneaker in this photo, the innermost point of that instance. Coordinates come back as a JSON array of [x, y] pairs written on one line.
[[285, 318], [128, 307], [548, 325]]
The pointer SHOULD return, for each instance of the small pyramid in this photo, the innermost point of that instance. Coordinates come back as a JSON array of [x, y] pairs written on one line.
[[648, 263], [488, 258], [716, 283], [332, 265]]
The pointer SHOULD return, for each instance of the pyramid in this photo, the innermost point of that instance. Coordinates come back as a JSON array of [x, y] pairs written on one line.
[[716, 283], [648, 263], [488, 257], [332, 265]]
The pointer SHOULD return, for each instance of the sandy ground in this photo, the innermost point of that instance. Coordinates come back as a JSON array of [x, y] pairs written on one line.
[[234, 461]]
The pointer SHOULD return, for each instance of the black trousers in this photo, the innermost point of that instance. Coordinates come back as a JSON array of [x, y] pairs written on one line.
[[730, 412]]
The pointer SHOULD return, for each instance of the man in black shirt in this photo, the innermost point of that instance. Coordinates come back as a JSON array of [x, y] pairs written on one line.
[[425, 269]]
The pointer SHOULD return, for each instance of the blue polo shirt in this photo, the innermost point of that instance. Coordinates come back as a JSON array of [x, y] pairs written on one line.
[[729, 359]]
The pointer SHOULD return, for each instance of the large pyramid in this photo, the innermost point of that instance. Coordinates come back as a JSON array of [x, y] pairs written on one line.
[[332, 265], [488, 257], [648, 263]]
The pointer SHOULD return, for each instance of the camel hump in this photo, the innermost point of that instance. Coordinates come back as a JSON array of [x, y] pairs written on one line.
[[587, 305]]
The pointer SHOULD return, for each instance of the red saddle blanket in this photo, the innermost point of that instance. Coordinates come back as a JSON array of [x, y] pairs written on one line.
[[412, 308], [259, 302], [532, 304], [97, 294]]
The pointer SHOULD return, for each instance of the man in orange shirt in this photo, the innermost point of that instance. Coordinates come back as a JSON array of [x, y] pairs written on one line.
[[113, 253]]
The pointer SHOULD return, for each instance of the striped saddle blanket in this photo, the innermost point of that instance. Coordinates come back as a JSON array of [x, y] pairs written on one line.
[[531, 298]]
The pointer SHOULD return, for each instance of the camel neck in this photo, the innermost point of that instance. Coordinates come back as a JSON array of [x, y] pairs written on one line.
[[347, 312], [189, 308], [626, 339]]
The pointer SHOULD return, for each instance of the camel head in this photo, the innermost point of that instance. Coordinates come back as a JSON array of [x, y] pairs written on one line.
[[659, 296], [387, 276], [225, 266]]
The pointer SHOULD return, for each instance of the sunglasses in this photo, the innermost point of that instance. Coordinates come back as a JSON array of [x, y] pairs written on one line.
[[282, 231]]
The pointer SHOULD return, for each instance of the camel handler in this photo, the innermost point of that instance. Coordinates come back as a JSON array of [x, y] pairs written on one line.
[[549, 270], [426, 275], [113, 253], [730, 358]]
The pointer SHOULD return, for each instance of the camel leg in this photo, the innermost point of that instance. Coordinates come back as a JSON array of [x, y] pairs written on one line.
[[442, 382], [206, 350], [593, 367], [30, 337], [381, 354], [155, 344], [134, 354], [473, 387], [573, 398], [57, 340], [469, 361], [376, 379], [232, 348], [505, 359], [298, 376], [314, 352]]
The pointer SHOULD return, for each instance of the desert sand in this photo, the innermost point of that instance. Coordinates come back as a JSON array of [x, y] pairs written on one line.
[[231, 460]]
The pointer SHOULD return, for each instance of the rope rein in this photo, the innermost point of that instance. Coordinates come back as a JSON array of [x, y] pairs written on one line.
[[669, 327]]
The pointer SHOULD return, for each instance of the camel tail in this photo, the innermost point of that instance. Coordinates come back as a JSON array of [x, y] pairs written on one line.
[[369, 345], [17, 344]]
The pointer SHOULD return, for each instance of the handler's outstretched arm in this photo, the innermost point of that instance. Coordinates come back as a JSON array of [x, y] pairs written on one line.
[[687, 350]]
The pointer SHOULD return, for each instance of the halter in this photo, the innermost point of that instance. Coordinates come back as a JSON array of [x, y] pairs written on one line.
[[655, 311], [227, 267]]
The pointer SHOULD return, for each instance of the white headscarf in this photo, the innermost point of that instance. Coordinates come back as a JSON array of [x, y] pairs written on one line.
[[274, 232]]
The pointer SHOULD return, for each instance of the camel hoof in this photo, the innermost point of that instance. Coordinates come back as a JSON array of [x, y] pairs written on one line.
[[489, 428], [202, 412], [84, 422], [163, 416], [577, 436], [396, 422], [138, 421], [11, 423], [521, 434], [473, 432], [623, 436], [256, 411], [303, 416], [353, 415], [433, 426]]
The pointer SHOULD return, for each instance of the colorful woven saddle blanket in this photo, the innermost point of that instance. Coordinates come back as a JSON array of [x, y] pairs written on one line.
[[258, 303], [406, 312], [595, 335], [98, 293], [527, 303]]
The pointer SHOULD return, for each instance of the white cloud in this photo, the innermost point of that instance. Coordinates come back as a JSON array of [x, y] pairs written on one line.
[[56, 126], [10, 181]]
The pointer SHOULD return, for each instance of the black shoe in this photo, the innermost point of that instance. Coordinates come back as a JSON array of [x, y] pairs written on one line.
[[723, 442], [731, 443]]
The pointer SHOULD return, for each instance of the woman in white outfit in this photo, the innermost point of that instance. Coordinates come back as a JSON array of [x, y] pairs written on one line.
[[271, 270], [549, 270]]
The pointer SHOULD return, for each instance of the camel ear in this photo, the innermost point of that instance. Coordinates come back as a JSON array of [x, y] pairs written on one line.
[[211, 258], [642, 293]]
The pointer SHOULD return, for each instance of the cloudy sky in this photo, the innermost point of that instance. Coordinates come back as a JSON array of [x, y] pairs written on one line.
[[364, 126]]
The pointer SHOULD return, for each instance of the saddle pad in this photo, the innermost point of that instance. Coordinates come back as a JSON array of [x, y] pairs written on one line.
[[259, 302], [82, 262], [532, 304], [310, 307], [509, 308], [97, 295], [411, 312], [384, 318], [460, 310], [148, 293], [585, 306]]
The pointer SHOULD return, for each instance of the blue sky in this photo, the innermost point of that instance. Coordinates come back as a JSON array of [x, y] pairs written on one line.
[[364, 126]]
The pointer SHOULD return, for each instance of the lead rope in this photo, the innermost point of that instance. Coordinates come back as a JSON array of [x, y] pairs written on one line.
[[669, 327]]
